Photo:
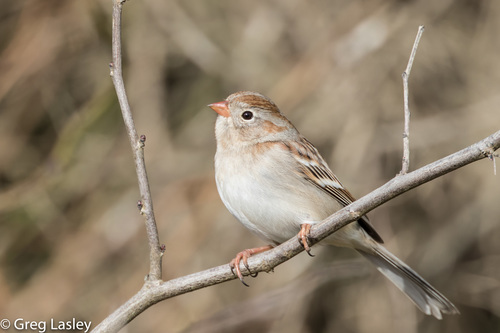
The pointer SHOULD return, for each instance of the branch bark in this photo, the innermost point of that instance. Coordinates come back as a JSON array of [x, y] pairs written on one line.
[[137, 144], [155, 290], [406, 75], [267, 261]]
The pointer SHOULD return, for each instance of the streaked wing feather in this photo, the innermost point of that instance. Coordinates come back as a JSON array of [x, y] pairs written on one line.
[[316, 171]]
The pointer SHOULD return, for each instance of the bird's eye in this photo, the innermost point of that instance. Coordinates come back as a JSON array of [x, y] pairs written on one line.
[[247, 115]]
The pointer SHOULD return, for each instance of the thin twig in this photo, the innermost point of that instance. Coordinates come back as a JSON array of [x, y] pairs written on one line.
[[267, 261], [492, 156], [155, 254], [406, 74]]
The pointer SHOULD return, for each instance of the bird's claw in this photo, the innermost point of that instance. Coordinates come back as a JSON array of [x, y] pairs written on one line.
[[243, 256], [303, 237]]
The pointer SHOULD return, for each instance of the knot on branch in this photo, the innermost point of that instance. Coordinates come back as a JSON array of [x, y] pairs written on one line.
[[355, 215], [142, 141]]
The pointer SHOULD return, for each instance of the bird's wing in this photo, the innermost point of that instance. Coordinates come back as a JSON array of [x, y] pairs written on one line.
[[315, 170]]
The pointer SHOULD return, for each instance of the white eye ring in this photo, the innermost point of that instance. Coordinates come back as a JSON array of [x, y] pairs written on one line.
[[247, 115]]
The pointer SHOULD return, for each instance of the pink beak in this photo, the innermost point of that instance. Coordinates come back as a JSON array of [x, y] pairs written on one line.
[[221, 108]]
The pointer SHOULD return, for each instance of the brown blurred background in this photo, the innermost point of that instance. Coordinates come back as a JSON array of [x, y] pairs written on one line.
[[72, 243]]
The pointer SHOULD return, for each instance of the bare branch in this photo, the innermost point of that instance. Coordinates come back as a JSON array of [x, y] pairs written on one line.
[[154, 290], [406, 74], [137, 143], [267, 261]]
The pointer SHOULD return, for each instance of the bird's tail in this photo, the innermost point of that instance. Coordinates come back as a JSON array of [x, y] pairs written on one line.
[[425, 296]]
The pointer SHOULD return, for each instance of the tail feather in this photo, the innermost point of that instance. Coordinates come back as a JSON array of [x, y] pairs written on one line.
[[426, 297]]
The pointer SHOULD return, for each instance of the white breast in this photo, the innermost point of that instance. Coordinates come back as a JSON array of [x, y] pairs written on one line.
[[265, 194]]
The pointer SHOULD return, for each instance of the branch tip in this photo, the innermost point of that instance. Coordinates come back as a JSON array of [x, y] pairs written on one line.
[[406, 134], [491, 157]]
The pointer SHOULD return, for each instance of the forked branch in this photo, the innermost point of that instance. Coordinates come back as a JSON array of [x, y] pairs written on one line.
[[154, 290]]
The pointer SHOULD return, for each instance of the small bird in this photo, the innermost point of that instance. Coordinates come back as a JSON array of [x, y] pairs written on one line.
[[275, 182]]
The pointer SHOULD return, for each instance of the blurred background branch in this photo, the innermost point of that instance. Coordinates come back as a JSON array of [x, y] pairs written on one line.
[[69, 233]]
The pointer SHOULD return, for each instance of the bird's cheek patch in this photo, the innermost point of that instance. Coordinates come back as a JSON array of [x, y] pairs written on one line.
[[271, 128]]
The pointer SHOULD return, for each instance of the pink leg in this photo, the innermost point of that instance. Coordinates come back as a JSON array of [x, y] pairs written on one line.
[[243, 256], [303, 237]]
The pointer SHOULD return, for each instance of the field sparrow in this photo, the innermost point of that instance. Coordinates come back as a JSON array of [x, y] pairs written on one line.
[[275, 182]]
